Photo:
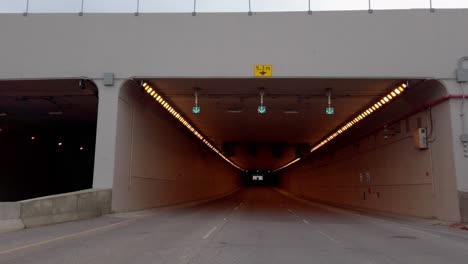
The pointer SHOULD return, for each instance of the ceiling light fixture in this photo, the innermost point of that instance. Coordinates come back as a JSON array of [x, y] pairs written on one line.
[[56, 113], [234, 110], [160, 100], [291, 111]]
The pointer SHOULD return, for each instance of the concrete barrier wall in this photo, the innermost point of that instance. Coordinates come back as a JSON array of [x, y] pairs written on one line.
[[10, 217], [402, 179], [54, 209], [158, 162]]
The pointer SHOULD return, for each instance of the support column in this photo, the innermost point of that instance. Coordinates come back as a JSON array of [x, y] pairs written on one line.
[[459, 122], [104, 160]]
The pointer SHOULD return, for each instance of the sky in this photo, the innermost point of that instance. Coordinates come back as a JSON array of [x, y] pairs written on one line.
[[129, 6]]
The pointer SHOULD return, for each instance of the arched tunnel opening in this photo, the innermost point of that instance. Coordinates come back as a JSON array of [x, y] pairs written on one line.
[[379, 144], [47, 137], [349, 142]]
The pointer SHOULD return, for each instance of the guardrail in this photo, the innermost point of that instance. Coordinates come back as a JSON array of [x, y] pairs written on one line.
[[201, 6]]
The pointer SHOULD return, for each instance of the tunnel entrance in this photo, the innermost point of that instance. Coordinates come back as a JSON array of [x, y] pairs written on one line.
[[47, 137], [343, 141], [265, 123]]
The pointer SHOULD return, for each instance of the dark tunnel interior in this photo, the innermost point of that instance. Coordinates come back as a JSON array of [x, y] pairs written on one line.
[[47, 138]]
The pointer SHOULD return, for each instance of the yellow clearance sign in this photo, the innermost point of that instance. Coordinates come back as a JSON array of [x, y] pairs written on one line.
[[263, 70]]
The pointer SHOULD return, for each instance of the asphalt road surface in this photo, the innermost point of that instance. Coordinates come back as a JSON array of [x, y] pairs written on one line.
[[255, 225]]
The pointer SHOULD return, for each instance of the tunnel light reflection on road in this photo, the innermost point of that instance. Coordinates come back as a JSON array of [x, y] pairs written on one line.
[[367, 112], [158, 98]]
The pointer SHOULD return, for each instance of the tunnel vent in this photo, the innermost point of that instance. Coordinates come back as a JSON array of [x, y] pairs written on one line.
[[160, 100], [378, 105]]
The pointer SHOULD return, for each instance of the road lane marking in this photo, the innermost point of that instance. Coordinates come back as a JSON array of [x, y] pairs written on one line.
[[328, 236], [305, 221], [210, 232], [289, 210], [419, 231], [64, 237], [357, 214]]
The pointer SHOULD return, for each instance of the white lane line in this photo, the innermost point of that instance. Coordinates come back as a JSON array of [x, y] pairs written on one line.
[[210, 232], [305, 221], [328, 236], [419, 231]]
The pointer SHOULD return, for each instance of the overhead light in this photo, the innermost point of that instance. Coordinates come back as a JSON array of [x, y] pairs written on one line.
[[60, 143], [234, 110], [81, 148], [33, 138], [56, 113], [160, 100], [291, 111]]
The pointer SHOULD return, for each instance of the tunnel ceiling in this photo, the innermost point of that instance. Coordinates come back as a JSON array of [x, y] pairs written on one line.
[[295, 112], [38, 102]]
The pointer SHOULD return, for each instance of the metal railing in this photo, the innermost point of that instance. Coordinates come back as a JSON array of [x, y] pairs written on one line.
[[201, 6]]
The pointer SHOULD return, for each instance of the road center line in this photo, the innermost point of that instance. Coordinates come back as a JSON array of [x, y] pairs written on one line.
[[63, 237], [305, 221], [210, 232]]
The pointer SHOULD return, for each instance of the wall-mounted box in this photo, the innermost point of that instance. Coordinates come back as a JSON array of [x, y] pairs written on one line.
[[420, 138]]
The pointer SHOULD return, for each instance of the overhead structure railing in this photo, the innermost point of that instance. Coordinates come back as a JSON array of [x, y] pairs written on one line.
[[370, 110], [214, 6], [158, 98]]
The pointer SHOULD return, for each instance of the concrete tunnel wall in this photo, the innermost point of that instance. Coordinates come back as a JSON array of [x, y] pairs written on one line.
[[159, 163], [403, 179]]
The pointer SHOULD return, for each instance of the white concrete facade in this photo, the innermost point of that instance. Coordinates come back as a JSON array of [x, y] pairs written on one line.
[[393, 44], [386, 44]]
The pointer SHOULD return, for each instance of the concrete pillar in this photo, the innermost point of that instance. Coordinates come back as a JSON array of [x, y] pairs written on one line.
[[104, 160], [459, 122]]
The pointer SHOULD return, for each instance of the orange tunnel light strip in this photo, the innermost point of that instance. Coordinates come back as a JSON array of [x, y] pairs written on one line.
[[158, 98], [376, 106]]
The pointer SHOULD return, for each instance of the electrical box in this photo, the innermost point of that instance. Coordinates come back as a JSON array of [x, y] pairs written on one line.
[[420, 138], [464, 138], [108, 79], [462, 71]]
